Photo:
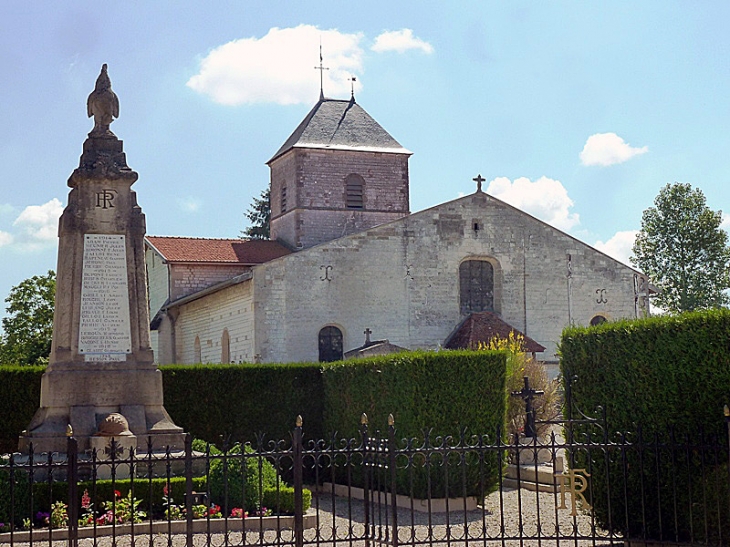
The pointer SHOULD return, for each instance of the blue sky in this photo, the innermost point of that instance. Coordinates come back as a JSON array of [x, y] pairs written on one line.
[[577, 112]]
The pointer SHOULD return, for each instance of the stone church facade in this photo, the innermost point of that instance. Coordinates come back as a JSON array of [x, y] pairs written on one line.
[[346, 256]]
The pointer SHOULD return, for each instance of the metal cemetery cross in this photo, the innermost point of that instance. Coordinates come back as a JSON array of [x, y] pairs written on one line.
[[528, 394]]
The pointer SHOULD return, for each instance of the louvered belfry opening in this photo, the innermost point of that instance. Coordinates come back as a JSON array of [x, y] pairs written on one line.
[[476, 286], [354, 191]]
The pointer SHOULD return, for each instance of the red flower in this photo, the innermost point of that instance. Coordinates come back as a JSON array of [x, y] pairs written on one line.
[[86, 500], [117, 494], [165, 491]]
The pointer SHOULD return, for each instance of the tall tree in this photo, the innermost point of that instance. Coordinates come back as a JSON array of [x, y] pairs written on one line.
[[28, 328], [683, 250], [259, 213]]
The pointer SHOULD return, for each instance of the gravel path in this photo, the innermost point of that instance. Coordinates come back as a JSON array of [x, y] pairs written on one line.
[[343, 524]]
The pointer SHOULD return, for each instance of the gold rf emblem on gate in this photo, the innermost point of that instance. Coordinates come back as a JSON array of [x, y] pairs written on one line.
[[575, 482]]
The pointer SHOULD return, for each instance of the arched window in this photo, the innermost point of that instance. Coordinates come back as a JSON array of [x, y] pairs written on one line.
[[598, 320], [476, 286], [353, 191], [330, 345], [225, 347], [197, 357]]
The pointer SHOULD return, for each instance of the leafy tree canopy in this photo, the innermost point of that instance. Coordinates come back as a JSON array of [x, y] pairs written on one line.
[[684, 251], [259, 213], [28, 328]]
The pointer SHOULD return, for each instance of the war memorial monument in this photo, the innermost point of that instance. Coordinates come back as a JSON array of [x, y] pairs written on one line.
[[101, 381]]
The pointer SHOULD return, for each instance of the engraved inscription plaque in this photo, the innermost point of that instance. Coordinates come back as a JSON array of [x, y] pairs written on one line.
[[104, 329]]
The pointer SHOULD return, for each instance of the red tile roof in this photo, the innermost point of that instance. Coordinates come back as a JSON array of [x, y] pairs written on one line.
[[227, 251], [483, 327]]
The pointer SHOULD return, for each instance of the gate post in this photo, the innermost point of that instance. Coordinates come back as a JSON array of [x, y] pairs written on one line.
[[298, 502], [72, 459], [366, 475], [188, 489], [393, 489]]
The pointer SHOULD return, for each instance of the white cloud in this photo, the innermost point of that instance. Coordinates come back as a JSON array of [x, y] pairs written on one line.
[[38, 224], [619, 246], [279, 67], [608, 149], [400, 41], [189, 204], [5, 238], [545, 198]]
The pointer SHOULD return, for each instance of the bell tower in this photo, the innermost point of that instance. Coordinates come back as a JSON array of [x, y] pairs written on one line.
[[338, 173]]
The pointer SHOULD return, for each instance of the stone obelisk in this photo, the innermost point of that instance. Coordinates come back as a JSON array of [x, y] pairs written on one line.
[[101, 364]]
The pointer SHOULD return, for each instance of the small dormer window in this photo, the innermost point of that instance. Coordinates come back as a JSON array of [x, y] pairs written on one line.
[[354, 191], [283, 199]]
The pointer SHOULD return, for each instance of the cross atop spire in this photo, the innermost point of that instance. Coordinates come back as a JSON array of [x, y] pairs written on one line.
[[479, 179], [321, 69]]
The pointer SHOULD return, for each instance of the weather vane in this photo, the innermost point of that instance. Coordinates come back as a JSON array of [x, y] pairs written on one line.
[[352, 87], [321, 69]]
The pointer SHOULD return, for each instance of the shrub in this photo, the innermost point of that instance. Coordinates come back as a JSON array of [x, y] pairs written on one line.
[[241, 401], [20, 394], [281, 500], [13, 506], [668, 378], [438, 396], [239, 478]]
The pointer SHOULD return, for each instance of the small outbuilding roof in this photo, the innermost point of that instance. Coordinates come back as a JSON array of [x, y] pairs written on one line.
[[483, 327], [340, 125], [223, 251]]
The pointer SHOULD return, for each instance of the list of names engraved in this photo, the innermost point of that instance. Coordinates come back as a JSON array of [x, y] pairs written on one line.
[[104, 328]]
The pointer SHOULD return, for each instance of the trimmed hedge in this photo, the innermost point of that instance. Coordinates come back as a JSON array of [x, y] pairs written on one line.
[[241, 401], [446, 392], [660, 375], [20, 393]]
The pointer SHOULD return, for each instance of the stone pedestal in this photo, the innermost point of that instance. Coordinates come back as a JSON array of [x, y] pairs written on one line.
[[101, 361]]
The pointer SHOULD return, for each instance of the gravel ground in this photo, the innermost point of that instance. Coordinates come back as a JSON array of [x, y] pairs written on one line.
[[343, 524]]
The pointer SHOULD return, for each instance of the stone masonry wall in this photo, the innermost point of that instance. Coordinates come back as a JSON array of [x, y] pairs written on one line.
[[190, 278], [230, 308], [316, 198], [401, 280]]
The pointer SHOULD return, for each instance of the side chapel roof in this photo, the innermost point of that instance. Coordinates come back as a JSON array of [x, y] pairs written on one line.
[[340, 125], [483, 327], [223, 251]]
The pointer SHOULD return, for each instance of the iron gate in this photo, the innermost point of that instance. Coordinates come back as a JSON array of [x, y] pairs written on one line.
[[589, 487]]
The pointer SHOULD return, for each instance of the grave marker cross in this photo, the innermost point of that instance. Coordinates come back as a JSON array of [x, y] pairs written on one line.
[[528, 394]]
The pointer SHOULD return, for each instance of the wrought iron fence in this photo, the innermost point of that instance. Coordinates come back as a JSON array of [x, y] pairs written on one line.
[[582, 485]]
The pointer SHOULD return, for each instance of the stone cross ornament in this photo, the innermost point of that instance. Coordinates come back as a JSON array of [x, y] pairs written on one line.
[[103, 105]]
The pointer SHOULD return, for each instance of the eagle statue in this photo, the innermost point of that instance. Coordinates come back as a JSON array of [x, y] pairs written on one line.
[[103, 104]]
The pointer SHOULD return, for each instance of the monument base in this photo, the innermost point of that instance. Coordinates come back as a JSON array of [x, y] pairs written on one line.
[[82, 395]]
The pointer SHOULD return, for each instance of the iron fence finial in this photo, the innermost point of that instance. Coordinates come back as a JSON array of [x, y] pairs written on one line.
[[364, 419], [299, 421]]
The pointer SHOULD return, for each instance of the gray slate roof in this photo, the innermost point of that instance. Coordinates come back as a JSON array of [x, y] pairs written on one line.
[[340, 125]]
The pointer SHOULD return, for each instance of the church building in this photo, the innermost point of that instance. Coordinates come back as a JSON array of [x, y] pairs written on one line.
[[348, 259]]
